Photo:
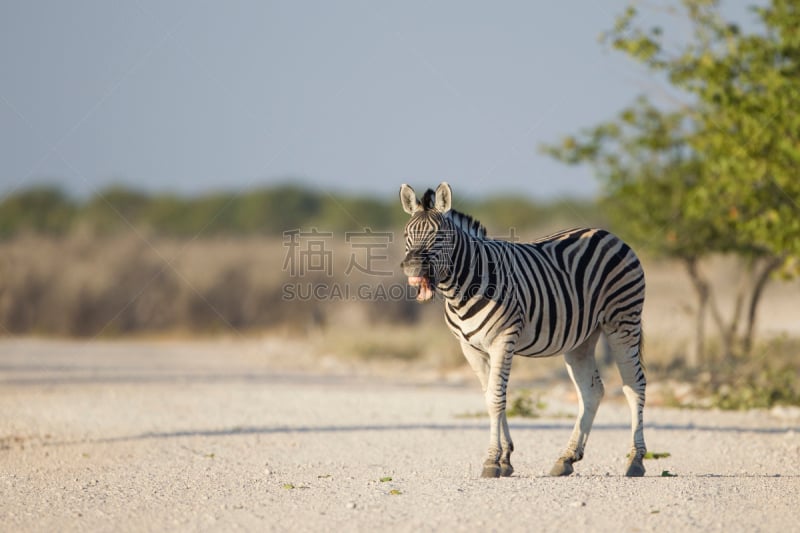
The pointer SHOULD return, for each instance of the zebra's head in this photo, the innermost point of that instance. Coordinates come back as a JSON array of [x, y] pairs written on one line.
[[428, 241]]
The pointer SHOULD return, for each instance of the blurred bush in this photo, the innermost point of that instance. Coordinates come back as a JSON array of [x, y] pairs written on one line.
[[43, 210], [118, 211], [126, 262]]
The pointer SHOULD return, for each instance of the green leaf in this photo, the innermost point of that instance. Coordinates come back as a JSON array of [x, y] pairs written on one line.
[[657, 455]]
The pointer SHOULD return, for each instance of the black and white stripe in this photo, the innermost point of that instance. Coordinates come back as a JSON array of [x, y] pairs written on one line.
[[555, 295]]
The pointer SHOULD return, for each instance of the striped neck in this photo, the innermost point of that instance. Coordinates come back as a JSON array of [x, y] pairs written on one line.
[[469, 235]]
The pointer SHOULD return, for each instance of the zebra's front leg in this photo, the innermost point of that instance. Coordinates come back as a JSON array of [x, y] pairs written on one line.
[[498, 460], [479, 362]]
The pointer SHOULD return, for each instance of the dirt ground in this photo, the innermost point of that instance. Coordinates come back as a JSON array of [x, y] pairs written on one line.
[[240, 434]]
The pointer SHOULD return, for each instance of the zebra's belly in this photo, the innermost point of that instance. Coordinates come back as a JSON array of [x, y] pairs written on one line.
[[493, 324], [536, 344], [529, 342]]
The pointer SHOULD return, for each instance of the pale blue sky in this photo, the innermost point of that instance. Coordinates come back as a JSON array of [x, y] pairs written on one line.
[[355, 96]]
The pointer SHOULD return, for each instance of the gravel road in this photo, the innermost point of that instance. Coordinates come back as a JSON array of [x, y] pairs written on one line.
[[154, 436]]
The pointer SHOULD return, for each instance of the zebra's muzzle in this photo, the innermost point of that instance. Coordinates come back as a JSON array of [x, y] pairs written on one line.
[[424, 285]]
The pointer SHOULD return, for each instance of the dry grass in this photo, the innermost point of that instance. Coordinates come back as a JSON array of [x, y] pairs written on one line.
[[86, 287]]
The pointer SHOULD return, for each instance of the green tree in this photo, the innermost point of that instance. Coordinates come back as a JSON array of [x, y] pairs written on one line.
[[718, 173], [744, 93]]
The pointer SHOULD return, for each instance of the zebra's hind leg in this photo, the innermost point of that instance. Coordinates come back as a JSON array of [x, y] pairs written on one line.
[[582, 368], [625, 340]]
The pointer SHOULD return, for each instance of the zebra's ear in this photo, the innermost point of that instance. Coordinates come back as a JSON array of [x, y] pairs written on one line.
[[409, 199], [444, 197]]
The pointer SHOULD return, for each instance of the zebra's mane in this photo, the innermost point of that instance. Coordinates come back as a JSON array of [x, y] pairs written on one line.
[[467, 224]]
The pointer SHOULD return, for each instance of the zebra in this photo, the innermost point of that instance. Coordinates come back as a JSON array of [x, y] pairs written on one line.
[[555, 295]]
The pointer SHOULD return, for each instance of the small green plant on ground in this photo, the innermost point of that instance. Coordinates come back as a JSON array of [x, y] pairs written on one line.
[[473, 414], [524, 406], [654, 455], [657, 455], [764, 389], [740, 382], [520, 405]]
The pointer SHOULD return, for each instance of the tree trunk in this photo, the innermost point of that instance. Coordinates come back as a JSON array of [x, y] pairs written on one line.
[[731, 333], [699, 355], [706, 300], [750, 290], [760, 283], [696, 356]]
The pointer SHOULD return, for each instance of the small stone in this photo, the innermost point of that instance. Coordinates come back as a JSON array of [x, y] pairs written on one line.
[[577, 504], [351, 505]]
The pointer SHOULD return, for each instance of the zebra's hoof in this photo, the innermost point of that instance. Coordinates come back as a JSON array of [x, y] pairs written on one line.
[[506, 469], [491, 470], [635, 468], [563, 467]]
